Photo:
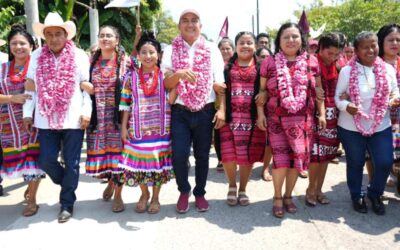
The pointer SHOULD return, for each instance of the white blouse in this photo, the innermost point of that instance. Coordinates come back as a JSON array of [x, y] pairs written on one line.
[[366, 82]]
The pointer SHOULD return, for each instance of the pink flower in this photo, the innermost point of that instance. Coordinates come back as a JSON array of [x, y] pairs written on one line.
[[379, 102], [194, 96], [293, 96], [56, 83]]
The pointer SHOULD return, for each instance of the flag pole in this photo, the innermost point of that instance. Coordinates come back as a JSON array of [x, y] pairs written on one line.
[[138, 14]]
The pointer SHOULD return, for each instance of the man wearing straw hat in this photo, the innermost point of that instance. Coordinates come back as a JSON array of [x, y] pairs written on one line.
[[61, 109]]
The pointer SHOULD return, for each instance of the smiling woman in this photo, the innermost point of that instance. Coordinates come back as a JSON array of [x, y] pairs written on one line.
[[20, 147]]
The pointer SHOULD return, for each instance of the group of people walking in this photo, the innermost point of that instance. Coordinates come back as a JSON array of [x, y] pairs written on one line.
[[143, 114]]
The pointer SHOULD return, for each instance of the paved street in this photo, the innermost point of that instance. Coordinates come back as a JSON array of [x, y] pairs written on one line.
[[94, 226]]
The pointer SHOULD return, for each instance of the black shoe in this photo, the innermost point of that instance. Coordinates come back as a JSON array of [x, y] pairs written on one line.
[[1, 190], [377, 205], [65, 214], [360, 205]]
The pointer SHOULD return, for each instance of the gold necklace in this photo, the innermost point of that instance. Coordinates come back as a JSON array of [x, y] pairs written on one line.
[[366, 78]]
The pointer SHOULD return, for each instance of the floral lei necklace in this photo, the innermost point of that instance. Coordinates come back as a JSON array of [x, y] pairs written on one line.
[[292, 90], [149, 91], [193, 95], [56, 83], [16, 78], [379, 102]]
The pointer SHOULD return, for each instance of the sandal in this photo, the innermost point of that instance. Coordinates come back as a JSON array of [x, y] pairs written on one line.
[[265, 176], [310, 202], [277, 211], [154, 207], [220, 167], [243, 199], [335, 160], [118, 206], [303, 174], [141, 205], [231, 198], [108, 192], [30, 209], [322, 199], [291, 207]]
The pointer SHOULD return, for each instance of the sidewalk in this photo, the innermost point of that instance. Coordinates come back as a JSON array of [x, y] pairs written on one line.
[[94, 226]]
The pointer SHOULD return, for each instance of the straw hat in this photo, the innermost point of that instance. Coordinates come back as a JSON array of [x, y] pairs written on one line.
[[54, 20]]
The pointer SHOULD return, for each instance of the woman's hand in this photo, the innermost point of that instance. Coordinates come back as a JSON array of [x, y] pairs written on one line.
[[261, 98], [20, 98], [352, 109], [219, 119], [322, 122], [124, 134], [262, 122]]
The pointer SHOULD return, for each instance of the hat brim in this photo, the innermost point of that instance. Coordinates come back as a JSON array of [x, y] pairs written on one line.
[[2, 42], [68, 26]]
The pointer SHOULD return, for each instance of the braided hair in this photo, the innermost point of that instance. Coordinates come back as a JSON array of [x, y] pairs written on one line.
[[117, 93], [228, 93]]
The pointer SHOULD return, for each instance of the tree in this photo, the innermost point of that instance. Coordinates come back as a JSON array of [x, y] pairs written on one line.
[[167, 29], [353, 16], [12, 11]]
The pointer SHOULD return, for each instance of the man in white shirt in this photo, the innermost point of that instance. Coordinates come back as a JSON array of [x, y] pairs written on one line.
[[61, 109], [192, 66]]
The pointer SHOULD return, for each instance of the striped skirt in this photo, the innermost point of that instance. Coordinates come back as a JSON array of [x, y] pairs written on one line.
[[21, 162], [147, 161]]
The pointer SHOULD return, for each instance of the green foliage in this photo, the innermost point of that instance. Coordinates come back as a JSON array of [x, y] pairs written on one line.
[[354, 16], [166, 27], [11, 12]]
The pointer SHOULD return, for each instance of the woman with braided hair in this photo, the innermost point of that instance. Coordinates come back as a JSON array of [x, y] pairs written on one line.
[[104, 143], [146, 119]]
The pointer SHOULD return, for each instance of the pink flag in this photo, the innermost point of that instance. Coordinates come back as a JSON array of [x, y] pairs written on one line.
[[224, 29], [303, 23]]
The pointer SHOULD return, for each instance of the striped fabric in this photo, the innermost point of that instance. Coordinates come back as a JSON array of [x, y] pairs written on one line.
[[20, 150], [104, 144], [238, 143], [149, 147]]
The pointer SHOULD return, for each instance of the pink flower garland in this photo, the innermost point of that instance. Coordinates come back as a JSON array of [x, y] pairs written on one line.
[[380, 101], [194, 95], [56, 83], [292, 91]]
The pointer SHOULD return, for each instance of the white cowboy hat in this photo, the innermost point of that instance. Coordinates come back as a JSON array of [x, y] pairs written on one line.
[[54, 20], [2, 42]]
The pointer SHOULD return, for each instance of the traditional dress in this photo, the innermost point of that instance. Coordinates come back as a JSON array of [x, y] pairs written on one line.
[[104, 144], [20, 150], [290, 134], [395, 118], [241, 141], [326, 143], [146, 156]]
